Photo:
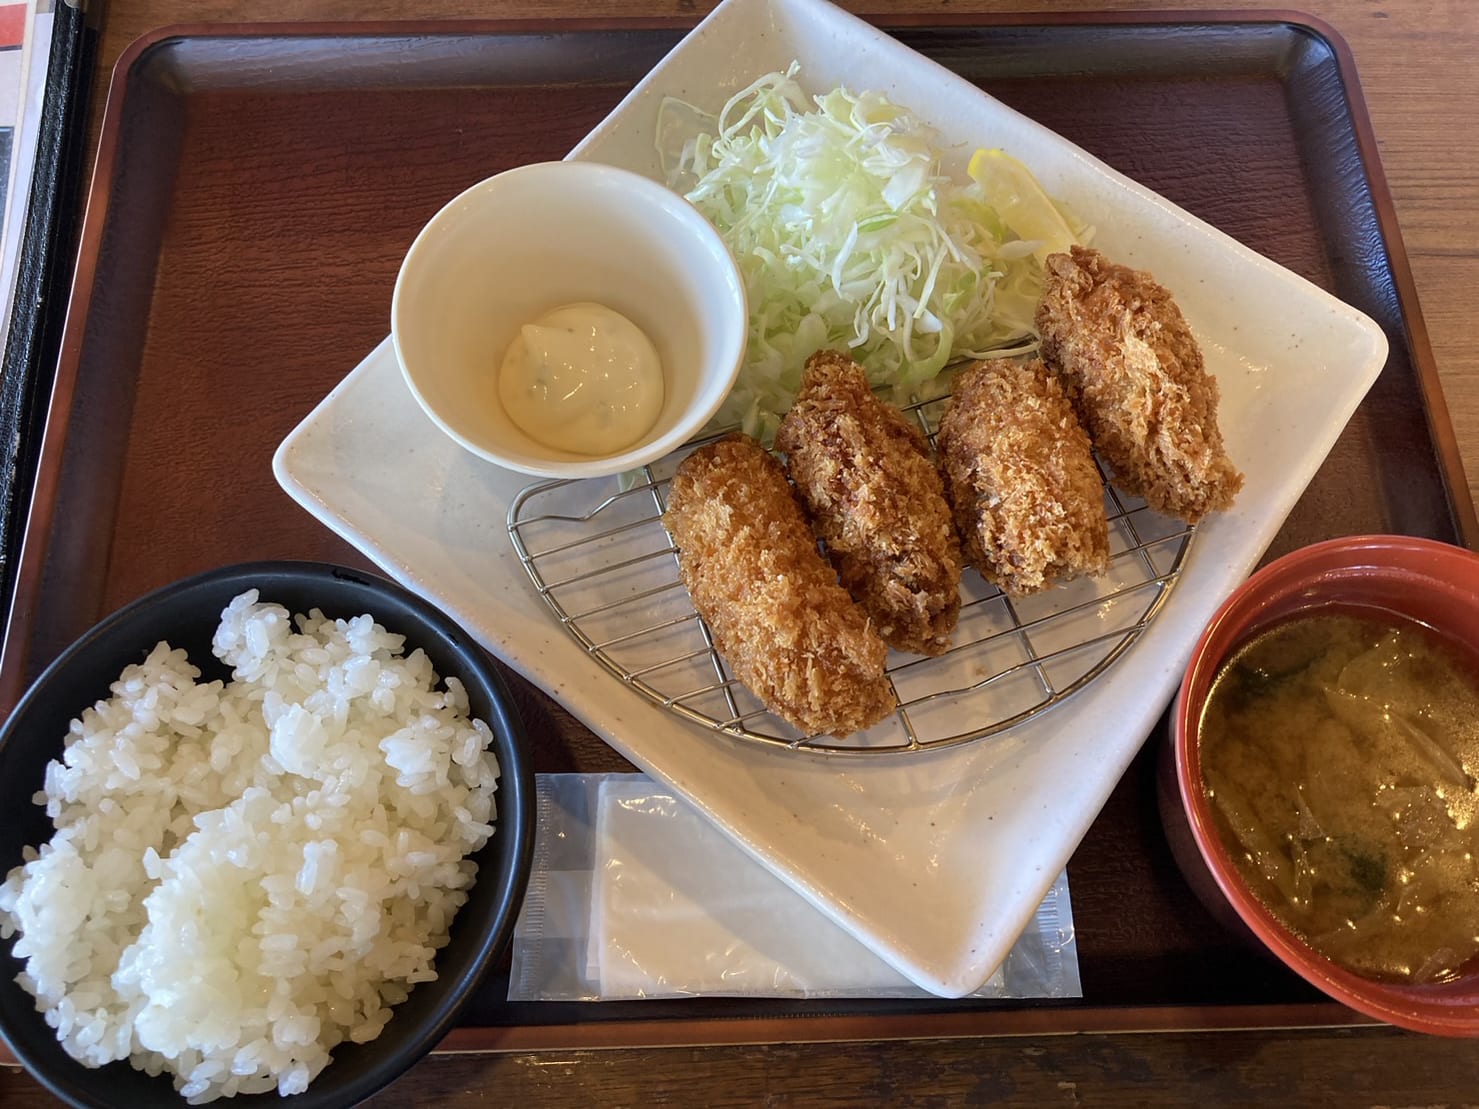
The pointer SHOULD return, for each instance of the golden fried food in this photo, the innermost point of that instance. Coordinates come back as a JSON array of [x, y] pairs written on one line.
[[778, 616], [864, 473], [1136, 377], [1020, 474]]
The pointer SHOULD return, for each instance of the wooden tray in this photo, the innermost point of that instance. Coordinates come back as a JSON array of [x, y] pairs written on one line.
[[257, 186]]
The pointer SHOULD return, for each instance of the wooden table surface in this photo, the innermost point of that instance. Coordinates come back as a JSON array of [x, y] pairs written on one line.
[[1421, 85]]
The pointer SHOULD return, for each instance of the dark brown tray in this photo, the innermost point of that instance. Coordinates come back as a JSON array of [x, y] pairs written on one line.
[[257, 186]]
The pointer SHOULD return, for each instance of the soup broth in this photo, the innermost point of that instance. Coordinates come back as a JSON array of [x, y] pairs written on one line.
[[1339, 751]]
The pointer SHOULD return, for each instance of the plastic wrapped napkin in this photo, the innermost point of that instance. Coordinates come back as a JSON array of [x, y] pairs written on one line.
[[634, 894]]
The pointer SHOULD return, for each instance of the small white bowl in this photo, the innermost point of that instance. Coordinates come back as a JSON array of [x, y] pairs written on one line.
[[534, 238]]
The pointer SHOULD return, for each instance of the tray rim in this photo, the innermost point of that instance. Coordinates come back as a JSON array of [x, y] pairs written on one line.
[[997, 1020]]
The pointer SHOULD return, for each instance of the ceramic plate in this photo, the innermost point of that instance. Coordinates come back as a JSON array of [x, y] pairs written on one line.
[[934, 860]]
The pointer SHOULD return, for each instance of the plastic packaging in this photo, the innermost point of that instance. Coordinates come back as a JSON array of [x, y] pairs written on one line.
[[633, 894]]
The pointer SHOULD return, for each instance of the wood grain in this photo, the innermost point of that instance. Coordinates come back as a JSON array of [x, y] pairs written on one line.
[[1422, 90], [1347, 1068]]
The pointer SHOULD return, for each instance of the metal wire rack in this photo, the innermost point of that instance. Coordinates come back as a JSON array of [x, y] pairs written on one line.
[[598, 554]]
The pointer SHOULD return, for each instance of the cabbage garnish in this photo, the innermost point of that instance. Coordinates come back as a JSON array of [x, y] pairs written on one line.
[[848, 236]]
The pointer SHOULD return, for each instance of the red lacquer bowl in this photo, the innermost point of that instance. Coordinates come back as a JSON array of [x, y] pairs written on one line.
[[1432, 582]]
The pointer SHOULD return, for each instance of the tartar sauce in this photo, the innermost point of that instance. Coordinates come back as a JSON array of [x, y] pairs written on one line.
[[582, 378]]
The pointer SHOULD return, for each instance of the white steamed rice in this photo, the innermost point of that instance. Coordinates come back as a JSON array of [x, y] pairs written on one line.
[[243, 877]]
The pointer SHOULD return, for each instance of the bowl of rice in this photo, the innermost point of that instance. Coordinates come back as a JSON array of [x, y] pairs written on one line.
[[263, 833]]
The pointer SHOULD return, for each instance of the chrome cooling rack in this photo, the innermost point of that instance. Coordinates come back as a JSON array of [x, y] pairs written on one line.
[[598, 554]]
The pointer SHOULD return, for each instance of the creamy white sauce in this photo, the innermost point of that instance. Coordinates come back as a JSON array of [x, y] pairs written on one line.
[[582, 378]]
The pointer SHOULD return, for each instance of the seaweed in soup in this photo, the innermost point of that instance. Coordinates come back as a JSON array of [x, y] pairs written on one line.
[[1339, 750]]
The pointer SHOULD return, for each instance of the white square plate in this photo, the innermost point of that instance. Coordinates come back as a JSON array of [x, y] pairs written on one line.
[[934, 860]]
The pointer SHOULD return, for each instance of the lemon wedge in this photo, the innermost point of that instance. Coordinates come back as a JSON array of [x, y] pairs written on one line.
[[1021, 202]]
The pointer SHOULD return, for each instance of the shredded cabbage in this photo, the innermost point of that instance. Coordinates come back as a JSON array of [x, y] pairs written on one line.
[[848, 236]]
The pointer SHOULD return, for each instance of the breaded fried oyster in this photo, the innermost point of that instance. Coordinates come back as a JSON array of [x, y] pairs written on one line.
[[778, 616], [865, 475], [1021, 477], [1137, 379]]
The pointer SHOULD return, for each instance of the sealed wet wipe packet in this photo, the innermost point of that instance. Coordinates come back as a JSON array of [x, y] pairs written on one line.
[[636, 895]]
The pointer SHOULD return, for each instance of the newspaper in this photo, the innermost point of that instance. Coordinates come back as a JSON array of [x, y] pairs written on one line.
[[25, 40]]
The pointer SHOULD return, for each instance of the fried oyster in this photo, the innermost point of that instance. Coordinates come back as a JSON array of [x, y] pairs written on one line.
[[1136, 377], [1020, 474], [865, 475], [778, 616]]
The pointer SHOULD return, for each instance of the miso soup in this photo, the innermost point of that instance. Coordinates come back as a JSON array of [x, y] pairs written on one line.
[[1339, 751]]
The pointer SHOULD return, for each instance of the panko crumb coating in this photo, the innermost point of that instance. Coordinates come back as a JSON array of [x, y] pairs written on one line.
[[1137, 379], [778, 616], [865, 475], [1019, 471]]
